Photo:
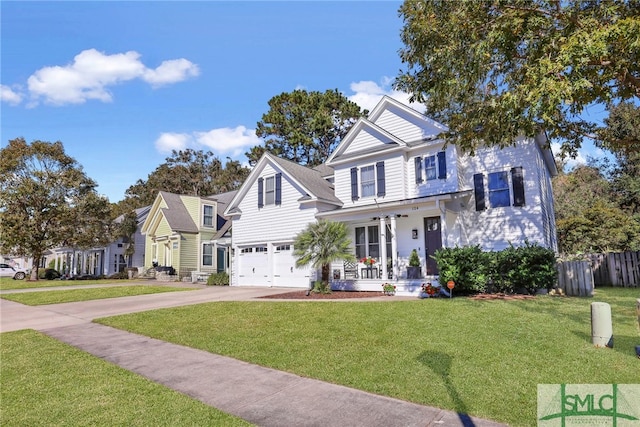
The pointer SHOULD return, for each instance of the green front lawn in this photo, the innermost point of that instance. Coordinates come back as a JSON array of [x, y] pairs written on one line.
[[7, 283], [48, 383], [484, 358], [74, 295]]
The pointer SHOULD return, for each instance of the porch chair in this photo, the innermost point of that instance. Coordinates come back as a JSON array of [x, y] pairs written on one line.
[[350, 269]]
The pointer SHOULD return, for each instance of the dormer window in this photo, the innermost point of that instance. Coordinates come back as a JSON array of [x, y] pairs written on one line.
[[207, 216]]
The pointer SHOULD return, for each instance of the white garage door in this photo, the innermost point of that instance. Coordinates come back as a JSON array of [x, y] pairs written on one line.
[[285, 272], [254, 266]]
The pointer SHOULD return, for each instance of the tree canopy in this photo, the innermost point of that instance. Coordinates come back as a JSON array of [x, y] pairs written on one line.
[[492, 70], [46, 200], [305, 127], [189, 172]]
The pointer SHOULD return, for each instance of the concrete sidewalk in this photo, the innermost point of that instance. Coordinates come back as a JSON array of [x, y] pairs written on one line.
[[263, 396], [260, 395]]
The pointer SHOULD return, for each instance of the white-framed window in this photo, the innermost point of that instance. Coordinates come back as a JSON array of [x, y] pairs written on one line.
[[430, 167], [367, 242], [207, 215], [269, 191], [207, 254], [281, 248], [367, 181], [499, 194], [262, 249], [246, 250]]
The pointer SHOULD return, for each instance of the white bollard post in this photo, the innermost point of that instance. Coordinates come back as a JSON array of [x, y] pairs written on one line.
[[601, 327]]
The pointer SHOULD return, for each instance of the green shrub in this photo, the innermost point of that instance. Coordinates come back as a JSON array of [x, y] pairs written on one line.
[[469, 267], [321, 287], [528, 268], [218, 279], [48, 274]]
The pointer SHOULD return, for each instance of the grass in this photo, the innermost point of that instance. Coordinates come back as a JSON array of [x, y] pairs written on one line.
[[7, 283], [484, 358], [75, 295], [45, 383]]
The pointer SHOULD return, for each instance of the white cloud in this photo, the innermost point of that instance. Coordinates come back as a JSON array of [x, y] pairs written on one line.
[[222, 141], [228, 140], [171, 71], [10, 96], [368, 93], [92, 72], [173, 141]]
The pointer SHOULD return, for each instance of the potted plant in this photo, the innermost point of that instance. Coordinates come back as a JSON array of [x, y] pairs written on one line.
[[413, 270]]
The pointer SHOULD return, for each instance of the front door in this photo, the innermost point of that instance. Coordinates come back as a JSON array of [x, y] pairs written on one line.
[[432, 242]]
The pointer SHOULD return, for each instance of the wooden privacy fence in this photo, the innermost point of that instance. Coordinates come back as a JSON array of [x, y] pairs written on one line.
[[616, 269], [575, 278]]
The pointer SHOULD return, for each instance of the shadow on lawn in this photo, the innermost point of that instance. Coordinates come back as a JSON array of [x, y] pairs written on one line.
[[440, 363]]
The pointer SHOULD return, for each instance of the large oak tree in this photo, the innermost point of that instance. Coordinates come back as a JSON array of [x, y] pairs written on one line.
[[189, 172], [493, 69], [46, 201]]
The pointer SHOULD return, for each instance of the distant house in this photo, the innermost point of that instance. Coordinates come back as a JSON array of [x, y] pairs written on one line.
[[99, 261], [188, 233], [398, 187]]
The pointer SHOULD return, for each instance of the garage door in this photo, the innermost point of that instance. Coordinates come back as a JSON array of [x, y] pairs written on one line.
[[254, 266], [285, 272]]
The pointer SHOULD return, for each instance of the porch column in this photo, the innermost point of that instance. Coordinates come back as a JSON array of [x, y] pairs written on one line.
[[383, 247], [394, 248]]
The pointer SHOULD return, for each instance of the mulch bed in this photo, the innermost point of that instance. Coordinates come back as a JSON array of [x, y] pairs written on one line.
[[332, 295]]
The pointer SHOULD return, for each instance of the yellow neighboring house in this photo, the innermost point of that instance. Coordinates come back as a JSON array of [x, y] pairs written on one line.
[[186, 234]]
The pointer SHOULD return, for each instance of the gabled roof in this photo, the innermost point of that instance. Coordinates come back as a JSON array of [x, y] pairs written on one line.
[[176, 214], [388, 103], [174, 211], [387, 140], [310, 180]]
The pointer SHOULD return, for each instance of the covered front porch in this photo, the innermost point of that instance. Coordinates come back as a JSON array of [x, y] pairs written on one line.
[[385, 234]]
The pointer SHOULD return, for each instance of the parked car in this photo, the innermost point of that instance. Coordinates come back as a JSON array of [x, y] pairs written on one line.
[[14, 272]]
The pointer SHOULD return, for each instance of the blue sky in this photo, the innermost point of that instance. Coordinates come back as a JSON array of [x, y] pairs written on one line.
[[122, 83]]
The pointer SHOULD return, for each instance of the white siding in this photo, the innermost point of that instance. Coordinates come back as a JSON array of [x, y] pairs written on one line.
[[268, 225], [496, 227], [365, 140], [394, 181], [405, 126]]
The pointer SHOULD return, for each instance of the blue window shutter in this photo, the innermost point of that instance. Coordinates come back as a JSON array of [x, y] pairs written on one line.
[[418, 163], [380, 176], [260, 192], [278, 189], [354, 183], [478, 189], [517, 177], [442, 165]]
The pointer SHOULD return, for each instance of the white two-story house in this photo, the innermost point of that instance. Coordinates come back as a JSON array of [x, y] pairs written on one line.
[[398, 187]]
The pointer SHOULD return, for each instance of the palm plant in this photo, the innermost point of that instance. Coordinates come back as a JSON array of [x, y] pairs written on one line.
[[320, 244]]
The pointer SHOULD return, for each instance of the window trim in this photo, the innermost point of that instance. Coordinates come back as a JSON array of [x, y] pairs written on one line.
[[370, 183], [363, 249], [207, 255], [269, 190], [205, 216], [496, 194]]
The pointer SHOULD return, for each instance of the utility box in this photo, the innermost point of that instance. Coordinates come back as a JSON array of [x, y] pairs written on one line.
[[601, 327]]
